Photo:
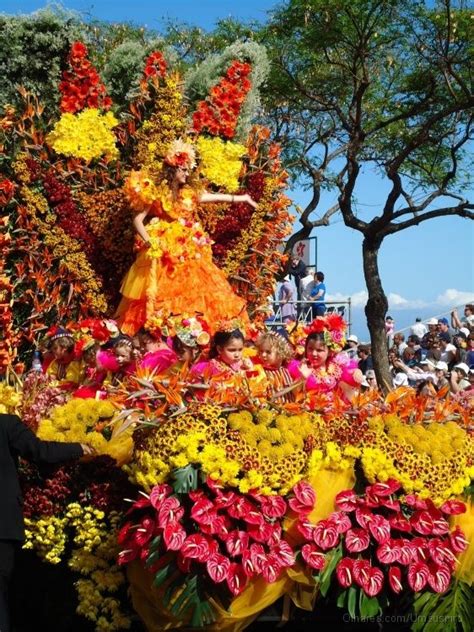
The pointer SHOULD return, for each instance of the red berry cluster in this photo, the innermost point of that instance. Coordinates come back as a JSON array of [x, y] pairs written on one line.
[[45, 497], [81, 86], [218, 114], [155, 65]]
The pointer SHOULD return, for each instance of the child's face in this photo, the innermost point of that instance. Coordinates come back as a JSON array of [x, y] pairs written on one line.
[[124, 355], [90, 357], [60, 353], [317, 353], [269, 355], [231, 352]]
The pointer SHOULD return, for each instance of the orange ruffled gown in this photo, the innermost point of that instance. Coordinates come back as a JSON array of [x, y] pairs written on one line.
[[176, 275]]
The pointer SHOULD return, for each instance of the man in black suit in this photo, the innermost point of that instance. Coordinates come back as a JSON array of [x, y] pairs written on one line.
[[16, 440]]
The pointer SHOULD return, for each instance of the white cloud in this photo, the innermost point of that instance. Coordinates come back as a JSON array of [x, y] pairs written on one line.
[[453, 298], [359, 299]]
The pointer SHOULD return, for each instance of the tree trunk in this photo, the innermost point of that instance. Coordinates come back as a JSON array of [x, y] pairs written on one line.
[[375, 310]]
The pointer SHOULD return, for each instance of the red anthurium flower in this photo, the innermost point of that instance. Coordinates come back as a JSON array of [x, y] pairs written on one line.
[[341, 520], [364, 516], [225, 499], [374, 582], [346, 500], [441, 552], [360, 571], [254, 516], [344, 572], [258, 556], [273, 506], [145, 531], [218, 567], [239, 507], [170, 511], [422, 522], [379, 527], [306, 528], [275, 534], [313, 556], [453, 507], [214, 486], [388, 552], [419, 548], [417, 503], [400, 523], [125, 532], [237, 542], [458, 540], [141, 503], [326, 534], [248, 564], [184, 563], [395, 579], [407, 552], [174, 536], [126, 556], [357, 540], [305, 494], [390, 503], [261, 532], [439, 577], [418, 573], [196, 547], [384, 489], [217, 525], [284, 553], [271, 568], [203, 511], [236, 578]]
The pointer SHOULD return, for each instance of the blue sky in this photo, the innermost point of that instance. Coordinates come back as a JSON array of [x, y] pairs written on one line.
[[426, 270]]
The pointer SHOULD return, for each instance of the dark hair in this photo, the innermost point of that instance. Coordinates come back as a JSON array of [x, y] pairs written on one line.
[[320, 276], [315, 335], [221, 338], [65, 342], [414, 338]]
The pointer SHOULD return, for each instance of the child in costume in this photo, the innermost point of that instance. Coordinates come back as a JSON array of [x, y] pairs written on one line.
[[62, 366], [274, 353], [226, 358], [125, 358], [174, 271]]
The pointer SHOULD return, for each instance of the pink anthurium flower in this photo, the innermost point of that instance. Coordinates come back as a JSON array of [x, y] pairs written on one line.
[[417, 503], [239, 508], [341, 520], [344, 572], [218, 567], [271, 568], [453, 507], [418, 573], [203, 511], [458, 540], [374, 583], [159, 493], [273, 506], [379, 527], [346, 500], [305, 497], [360, 571], [313, 556], [196, 547], [236, 578], [357, 540], [439, 577], [258, 556], [422, 522], [395, 579], [170, 511], [388, 552], [174, 536], [225, 499], [441, 552], [236, 542], [254, 516], [145, 531], [419, 547], [214, 486], [384, 489], [326, 534], [262, 532], [407, 552]]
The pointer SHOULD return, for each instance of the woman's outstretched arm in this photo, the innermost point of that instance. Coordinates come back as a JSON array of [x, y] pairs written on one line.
[[227, 197]]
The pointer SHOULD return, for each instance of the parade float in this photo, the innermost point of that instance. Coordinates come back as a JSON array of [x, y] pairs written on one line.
[[209, 500]]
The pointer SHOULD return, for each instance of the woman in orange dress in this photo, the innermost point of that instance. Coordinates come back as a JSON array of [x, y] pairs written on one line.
[[174, 272]]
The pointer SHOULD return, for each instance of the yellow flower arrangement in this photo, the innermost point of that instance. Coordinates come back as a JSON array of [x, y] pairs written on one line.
[[178, 241], [10, 399], [47, 536], [221, 161], [87, 135], [83, 420]]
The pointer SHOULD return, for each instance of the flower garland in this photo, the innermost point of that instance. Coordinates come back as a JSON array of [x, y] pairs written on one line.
[[85, 135], [220, 162], [333, 327], [81, 86], [218, 113]]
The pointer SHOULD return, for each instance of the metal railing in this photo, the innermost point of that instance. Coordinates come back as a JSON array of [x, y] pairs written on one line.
[[305, 314]]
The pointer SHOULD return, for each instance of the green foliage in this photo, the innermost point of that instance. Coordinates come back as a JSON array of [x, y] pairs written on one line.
[[452, 611], [200, 80], [123, 69]]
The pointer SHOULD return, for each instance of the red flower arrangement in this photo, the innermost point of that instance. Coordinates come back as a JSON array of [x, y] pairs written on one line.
[[218, 114], [7, 189], [155, 65], [81, 86], [332, 326], [380, 541]]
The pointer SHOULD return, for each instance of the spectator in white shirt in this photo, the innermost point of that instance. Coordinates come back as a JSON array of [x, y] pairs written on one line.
[[419, 329]]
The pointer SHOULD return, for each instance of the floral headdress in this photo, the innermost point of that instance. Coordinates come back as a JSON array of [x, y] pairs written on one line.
[[191, 330], [230, 325], [333, 327], [56, 332], [181, 154]]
